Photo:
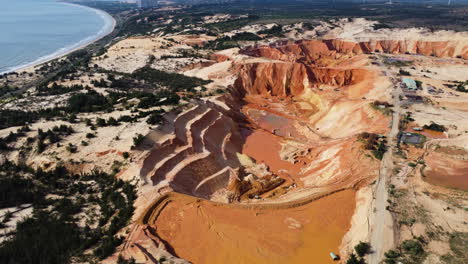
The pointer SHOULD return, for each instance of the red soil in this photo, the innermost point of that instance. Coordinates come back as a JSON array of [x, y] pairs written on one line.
[[204, 232], [445, 171], [103, 153]]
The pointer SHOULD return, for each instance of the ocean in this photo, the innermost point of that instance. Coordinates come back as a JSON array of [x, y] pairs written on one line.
[[34, 31]]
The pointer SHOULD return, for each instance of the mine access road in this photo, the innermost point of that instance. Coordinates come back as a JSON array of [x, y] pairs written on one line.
[[381, 222]]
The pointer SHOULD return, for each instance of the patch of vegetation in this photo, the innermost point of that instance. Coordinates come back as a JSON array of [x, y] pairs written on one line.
[[13, 137], [245, 36], [50, 240], [91, 101], [418, 84], [72, 148], [173, 81], [461, 87], [353, 259], [57, 89], [435, 127], [404, 73], [121, 260], [275, 31], [361, 249], [380, 26], [407, 118], [6, 89], [9, 118], [222, 44], [51, 234], [459, 247], [383, 107], [101, 83], [410, 251], [231, 24], [397, 63], [53, 136], [375, 143], [138, 140]]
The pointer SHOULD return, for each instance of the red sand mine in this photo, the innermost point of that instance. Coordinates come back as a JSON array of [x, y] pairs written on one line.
[[300, 117]]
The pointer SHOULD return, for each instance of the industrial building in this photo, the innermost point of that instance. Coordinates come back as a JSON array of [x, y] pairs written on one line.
[[409, 84], [411, 138]]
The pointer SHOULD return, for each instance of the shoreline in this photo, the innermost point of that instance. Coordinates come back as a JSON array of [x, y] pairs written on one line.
[[109, 26]]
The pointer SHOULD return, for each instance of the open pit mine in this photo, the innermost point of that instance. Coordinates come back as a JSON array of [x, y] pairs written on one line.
[[269, 171]]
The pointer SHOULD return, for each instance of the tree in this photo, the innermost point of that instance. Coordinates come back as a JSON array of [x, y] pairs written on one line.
[[413, 247], [101, 122], [121, 260], [354, 260], [138, 139], [112, 122], [435, 127], [362, 249], [71, 148], [391, 257], [40, 146]]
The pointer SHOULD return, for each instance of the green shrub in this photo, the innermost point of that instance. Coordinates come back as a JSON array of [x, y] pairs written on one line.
[[362, 249], [138, 140], [405, 73], [101, 122], [435, 127], [112, 122], [354, 260], [71, 148], [413, 247]]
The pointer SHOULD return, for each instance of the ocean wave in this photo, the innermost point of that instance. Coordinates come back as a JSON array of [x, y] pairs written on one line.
[[109, 24]]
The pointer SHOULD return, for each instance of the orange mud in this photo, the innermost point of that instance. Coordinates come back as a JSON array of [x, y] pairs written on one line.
[[205, 232], [425, 132], [447, 172], [432, 134], [265, 147]]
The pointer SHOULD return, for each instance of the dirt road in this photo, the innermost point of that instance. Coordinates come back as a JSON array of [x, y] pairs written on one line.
[[381, 222]]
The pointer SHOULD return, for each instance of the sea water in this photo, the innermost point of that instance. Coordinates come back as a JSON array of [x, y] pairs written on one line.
[[33, 31]]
